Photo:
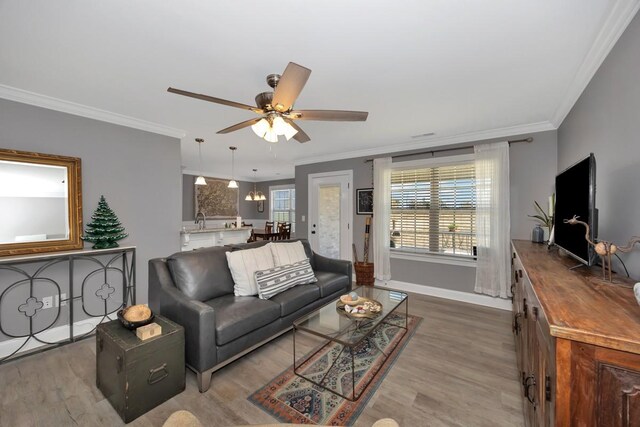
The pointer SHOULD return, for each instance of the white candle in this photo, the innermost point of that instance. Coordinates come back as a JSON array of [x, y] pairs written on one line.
[[551, 206]]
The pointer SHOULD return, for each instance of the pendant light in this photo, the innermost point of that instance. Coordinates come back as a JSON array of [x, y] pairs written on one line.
[[200, 179], [232, 183], [255, 196]]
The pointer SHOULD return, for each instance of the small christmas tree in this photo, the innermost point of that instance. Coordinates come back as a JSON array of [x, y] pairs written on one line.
[[105, 229]]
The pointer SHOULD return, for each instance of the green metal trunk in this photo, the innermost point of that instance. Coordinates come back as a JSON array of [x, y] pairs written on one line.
[[135, 375]]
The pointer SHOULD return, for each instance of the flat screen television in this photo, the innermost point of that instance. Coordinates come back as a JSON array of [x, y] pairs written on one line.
[[576, 195]]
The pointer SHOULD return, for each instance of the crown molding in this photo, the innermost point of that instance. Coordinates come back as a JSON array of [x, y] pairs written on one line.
[[431, 142], [243, 178], [615, 24], [44, 101]]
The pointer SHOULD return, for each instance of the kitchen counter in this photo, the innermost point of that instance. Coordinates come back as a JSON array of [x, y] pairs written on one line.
[[219, 236], [214, 230]]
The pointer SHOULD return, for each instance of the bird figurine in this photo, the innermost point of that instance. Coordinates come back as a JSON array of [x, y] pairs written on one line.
[[603, 248]]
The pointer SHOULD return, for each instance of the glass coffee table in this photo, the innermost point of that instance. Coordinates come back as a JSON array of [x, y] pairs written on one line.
[[349, 351]]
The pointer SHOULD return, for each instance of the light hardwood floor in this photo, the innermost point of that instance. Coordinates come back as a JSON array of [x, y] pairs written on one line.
[[459, 369]]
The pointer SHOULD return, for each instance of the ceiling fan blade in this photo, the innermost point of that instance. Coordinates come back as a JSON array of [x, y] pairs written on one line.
[[289, 87], [216, 100], [329, 115], [301, 136], [240, 125]]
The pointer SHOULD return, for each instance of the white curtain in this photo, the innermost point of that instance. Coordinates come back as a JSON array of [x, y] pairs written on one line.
[[381, 217], [492, 219]]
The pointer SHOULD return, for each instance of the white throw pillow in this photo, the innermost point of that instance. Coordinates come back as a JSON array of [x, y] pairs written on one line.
[[243, 265], [287, 253]]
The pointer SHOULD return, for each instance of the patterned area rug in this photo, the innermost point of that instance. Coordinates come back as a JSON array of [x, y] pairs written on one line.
[[292, 399]]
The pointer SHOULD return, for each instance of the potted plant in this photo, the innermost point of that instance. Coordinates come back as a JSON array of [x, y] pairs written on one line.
[[452, 227], [546, 220]]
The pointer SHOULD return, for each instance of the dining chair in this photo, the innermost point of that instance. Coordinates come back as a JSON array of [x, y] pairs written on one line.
[[268, 227], [284, 231]]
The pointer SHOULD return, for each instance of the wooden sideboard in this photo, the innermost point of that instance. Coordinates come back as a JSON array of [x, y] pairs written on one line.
[[577, 341]]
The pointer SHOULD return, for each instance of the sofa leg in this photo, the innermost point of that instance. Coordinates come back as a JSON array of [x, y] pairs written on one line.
[[204, 380]]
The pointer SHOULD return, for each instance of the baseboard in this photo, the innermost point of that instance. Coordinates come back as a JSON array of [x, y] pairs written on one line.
[[484, 300], [53, 335]]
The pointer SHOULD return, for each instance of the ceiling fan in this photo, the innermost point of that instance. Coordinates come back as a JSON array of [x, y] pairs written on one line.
[[276, 108]]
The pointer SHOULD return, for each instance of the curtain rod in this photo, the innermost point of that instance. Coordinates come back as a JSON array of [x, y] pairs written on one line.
[[432, 152]]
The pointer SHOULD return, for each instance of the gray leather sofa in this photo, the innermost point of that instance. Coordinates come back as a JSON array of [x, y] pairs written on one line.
[[195, 290]]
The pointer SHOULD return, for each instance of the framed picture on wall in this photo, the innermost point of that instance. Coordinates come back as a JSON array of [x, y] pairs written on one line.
[[364, 199], [260, 206]]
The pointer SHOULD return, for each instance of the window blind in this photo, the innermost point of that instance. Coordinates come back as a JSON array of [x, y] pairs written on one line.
[[433, 209], [283, 206]]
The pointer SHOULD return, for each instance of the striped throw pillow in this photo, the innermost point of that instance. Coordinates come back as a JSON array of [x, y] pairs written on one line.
[[278, 279]]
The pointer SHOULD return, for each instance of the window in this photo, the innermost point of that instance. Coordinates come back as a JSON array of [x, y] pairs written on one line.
[[283, 204], [433, 209]]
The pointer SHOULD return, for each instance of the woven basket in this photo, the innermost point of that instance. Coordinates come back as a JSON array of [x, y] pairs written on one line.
[[364, 273]]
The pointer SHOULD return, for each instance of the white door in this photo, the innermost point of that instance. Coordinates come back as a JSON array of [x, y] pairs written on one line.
[[330, 213]]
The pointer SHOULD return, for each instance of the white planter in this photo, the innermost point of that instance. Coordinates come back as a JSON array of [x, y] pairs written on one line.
[[546, 233]]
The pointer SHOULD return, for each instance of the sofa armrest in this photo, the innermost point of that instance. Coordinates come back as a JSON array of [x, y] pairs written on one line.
[[197, 318], [341, 266]]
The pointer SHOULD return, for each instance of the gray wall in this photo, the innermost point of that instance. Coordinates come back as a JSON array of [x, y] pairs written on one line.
[[605, 121], [246, 209], [138, 173], [533, 169]]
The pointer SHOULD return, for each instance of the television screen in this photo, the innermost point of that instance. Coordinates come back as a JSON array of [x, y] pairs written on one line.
[[575, 195]]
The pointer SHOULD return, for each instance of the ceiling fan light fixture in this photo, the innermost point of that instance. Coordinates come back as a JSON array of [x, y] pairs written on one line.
[[201, 181], [271, 136], [289, 131], [279, 126], [261, 127]]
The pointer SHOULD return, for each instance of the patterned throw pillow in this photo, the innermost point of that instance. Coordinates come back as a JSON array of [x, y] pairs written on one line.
[[278, 279]]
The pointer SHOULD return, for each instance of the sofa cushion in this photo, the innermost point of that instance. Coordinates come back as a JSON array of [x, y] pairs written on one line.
[[201, 274], [244, 264], [278, 279], [329, 282], [237, 316], [287, 253], [295, 298]]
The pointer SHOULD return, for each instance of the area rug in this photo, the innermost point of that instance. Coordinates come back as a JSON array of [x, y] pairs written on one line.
[[292, 399]]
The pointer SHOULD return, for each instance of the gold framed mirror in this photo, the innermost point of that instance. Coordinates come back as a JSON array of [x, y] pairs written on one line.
[[40, 203]]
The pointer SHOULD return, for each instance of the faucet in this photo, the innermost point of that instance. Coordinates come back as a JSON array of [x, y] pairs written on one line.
[[201, 225]]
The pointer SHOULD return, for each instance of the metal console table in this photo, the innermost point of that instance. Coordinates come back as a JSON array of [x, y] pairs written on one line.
[[48, 300]]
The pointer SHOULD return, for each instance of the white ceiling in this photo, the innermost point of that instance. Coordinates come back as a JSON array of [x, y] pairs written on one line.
[[455, 68]]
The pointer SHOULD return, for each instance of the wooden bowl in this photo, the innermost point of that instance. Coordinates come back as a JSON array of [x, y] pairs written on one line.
[[346, 299], [134, 316]]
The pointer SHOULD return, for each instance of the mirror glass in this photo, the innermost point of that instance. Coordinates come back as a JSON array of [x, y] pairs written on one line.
[[34, 202]]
